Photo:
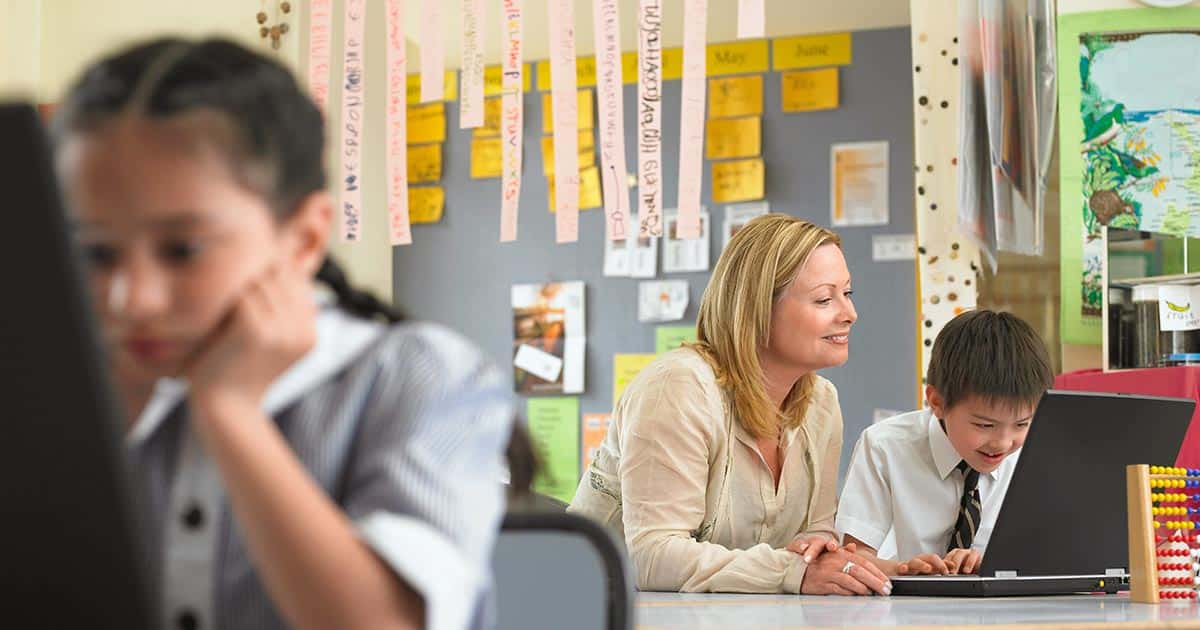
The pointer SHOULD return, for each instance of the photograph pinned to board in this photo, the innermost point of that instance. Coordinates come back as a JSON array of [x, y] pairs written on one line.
[[739, 214], [859, 183], [662, 300], [548, 338], [631, 257], [683, 255]]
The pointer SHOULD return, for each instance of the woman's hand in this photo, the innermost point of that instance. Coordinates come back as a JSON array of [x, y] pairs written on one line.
[[842, 572], [924, 564], [965, 561], [270, 326], [811, 546]]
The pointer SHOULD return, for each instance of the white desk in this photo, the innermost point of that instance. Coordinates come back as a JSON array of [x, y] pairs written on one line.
[[680, 611]]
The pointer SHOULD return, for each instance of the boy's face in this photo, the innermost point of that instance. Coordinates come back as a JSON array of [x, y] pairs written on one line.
[[983, 434]]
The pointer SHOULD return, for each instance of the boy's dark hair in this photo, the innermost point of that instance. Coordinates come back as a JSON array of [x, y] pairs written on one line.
[[995, 356], [266, 125]]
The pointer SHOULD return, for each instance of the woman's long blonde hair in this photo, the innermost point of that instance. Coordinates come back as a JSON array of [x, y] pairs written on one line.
[[734, 323]]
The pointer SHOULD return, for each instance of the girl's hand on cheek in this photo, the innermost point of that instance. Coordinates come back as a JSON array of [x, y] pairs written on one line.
[[270, 326]]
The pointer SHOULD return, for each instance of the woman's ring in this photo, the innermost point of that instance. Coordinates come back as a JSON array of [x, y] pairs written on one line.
[[849, 565]]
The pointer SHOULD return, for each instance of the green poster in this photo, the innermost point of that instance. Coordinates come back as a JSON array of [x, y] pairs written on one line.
[[1129, 138], [554, 430], [667, 338]]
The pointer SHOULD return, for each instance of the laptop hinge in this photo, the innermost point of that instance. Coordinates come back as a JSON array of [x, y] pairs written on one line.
[[1006, 574]]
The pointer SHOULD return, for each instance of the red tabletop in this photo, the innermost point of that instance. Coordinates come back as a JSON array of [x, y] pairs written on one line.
[[1178, 382]]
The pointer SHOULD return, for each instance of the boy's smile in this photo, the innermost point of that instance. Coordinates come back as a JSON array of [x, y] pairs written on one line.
[[983, 432]]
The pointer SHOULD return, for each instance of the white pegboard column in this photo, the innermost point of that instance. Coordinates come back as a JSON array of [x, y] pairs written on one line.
[[946, 260]]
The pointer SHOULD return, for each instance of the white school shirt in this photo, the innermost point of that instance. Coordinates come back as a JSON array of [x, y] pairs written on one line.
[[902, 480], [403, 426]]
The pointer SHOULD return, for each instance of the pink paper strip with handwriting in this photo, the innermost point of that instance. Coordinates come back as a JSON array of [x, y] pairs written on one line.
[[433, 51], [566, 120], [649, 118], [752, 19], [470, 108], [353, 97], [512, 122], [400, 232], [609, 91], [320, 20], [691, 119]]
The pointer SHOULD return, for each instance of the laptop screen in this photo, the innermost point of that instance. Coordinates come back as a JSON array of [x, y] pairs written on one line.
[[1064, 513]]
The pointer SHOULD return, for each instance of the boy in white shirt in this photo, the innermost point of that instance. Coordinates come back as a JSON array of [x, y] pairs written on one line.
[[935, 478]]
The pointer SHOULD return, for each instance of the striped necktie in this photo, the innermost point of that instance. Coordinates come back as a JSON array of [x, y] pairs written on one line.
[[968, 510]]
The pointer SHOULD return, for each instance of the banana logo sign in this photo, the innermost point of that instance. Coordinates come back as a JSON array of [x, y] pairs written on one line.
[[1178, 308]]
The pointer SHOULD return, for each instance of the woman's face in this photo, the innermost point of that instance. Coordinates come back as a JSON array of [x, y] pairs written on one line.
[[810, 324], [170, 236]]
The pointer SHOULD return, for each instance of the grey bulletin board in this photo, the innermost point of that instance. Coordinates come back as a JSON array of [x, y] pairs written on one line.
[[457, 272]]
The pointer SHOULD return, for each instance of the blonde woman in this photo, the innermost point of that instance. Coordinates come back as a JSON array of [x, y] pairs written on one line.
[[720, 467]]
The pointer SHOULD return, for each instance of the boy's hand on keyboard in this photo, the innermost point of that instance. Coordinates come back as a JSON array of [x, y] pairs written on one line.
[[924, 564], [963, 561]]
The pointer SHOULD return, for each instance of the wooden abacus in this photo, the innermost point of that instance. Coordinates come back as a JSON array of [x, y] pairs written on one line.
[[1163, 507]]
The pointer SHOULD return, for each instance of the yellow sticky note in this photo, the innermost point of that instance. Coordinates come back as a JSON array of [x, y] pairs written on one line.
[[586, 111], [491, 118], [629, 68], [737, 58], [424, 163], [493, 79], [587, 152], [809, 90], [485, 158], [625, 367], [427, 123], [413, 87], [733, 137], [737, 180], [425, 204], [812, 51], [735, 96], [672, 64], [589, 189]]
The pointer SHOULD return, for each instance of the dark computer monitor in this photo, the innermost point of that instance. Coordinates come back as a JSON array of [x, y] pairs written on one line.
[[1064, 512], [70, 548]]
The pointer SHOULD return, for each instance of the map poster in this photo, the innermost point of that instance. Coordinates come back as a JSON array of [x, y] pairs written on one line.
[[1130, 139]]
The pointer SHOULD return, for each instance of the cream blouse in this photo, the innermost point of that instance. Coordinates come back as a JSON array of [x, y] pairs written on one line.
[[684, 485]]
